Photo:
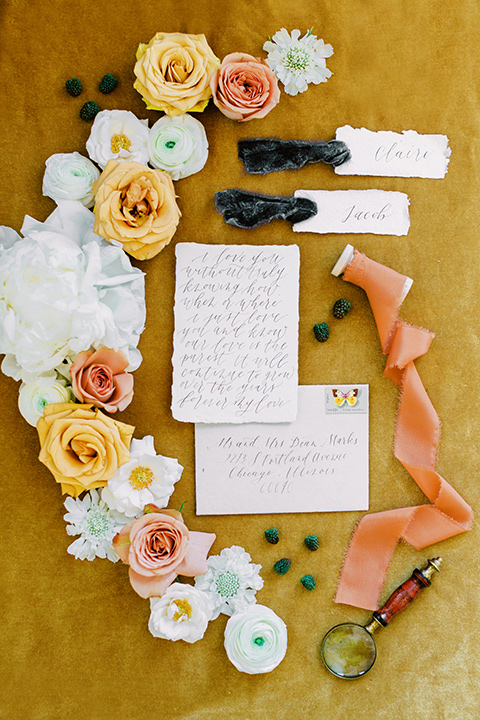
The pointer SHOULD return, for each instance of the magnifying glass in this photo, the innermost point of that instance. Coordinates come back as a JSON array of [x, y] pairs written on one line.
[[349, 650]]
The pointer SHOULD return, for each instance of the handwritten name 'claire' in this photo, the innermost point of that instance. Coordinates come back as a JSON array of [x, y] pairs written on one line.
[[396, 152]]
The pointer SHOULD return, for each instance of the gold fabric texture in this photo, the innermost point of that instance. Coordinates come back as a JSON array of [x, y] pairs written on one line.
[[75, 641]]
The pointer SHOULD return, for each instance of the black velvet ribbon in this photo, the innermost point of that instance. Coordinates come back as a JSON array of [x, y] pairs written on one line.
[[248, 210], [264, 155]]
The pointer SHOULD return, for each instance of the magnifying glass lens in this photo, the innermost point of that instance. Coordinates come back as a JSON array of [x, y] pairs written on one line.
[[348, 650]]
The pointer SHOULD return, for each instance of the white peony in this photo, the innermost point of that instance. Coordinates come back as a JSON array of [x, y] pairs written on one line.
[[178, 145], [118, 135], [256, 640], [147, 478], [182, 613], [63, 289], [69, 176], [46, 389]]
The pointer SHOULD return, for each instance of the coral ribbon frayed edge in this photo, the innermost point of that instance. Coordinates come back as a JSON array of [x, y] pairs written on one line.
[[416, 446]]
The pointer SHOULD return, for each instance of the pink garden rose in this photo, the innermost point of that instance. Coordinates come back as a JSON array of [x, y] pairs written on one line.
[[244, 87], [99, 378], [158, 547]]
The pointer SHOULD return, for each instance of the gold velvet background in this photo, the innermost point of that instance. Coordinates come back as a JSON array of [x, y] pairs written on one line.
[[75, 639]]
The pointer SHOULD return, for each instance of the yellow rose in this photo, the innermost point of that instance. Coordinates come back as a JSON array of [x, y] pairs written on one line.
[[82, 447], [136, 206], [173, 73]]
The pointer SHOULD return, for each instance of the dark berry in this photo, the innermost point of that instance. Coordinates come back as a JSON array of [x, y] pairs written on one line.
[[282, 566], [311, 541], [308, 582], [341, 308], [74, 87], [271, 536], [321, 331], [107, 83], [89, 110]]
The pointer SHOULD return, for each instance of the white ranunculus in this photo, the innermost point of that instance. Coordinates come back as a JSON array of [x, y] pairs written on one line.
[[118, 135], [178, 145], [256, 640], [182, 613], [69, 176], [63, 289], [46, 389], [146, 478]]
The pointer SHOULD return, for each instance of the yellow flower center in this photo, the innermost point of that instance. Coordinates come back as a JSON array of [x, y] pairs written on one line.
[[119, 142], [141, 477], [184, 610]]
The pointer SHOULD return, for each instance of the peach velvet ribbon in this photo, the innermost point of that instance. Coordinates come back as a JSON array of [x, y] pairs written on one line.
[[415, 446]]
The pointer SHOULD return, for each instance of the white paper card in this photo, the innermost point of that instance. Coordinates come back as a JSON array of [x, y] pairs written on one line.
[[317, 463], [356, 211], [392, 154], [235, 357]]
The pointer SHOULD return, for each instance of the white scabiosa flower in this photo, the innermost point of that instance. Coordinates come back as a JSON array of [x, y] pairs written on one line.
[[256, 640], [46, 389], [70, 176], [182, 613], [147, 479], [118, 135], [97, 525], [178, 145], [231, 581], [298, 61]]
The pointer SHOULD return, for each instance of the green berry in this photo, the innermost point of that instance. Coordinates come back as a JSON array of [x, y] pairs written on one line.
[[89, 110], [282, 566], [321, 332], [341, 308], [308, 582], [74, 86], [271, 536], [107, 83], [311, 541]]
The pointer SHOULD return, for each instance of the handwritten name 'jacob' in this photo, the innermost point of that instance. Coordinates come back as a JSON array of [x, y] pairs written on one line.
[[357, 214]]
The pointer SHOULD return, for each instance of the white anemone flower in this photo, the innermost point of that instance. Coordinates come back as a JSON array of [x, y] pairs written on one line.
[[35, 395], [178, 145], [146, 479], [182, 613], [97, 525], [118, 135], [231, 581], [298, 61], [70, 176]]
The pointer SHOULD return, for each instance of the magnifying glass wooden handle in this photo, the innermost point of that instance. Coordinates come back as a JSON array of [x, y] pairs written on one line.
[[407, 592]]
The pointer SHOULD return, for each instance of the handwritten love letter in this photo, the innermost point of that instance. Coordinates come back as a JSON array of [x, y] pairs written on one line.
[[317, 463], [235, 357], [391, 154], [356, 211]]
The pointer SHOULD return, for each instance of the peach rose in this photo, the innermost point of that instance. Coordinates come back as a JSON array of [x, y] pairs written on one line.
[[135, 206], [99, 378], [244, 87], [173, 73], [158, 547], [82, 447]]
